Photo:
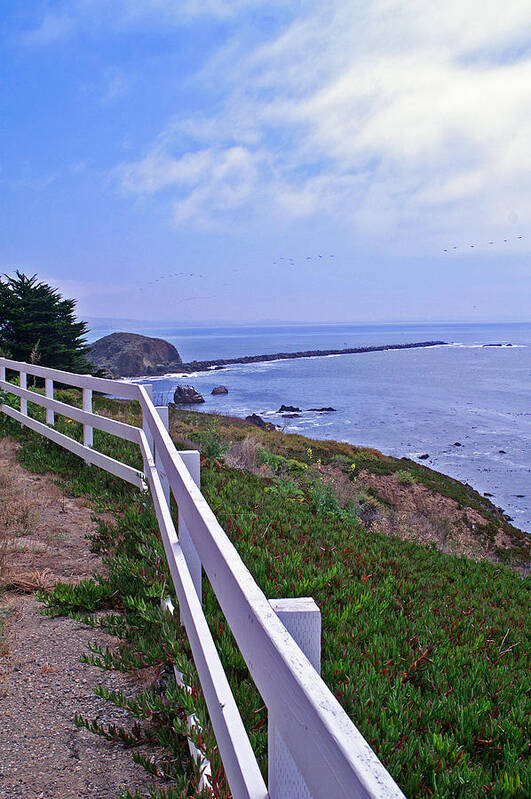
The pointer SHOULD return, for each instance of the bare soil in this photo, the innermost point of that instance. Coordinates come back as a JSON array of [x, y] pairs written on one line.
[[429, 518], [43, 755]]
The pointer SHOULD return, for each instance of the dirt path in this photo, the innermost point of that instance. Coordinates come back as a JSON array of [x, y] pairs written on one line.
[[43, 755]]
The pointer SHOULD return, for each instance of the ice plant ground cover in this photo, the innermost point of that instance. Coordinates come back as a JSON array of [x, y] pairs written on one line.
[[427, 652]]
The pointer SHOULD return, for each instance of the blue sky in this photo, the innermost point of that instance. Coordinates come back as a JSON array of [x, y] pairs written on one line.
[[238, 160]]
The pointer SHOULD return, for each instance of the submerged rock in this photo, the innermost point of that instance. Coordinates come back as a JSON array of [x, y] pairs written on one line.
[[321, 409], [423, 457], [220, 390], [187, 395], [291, 416]]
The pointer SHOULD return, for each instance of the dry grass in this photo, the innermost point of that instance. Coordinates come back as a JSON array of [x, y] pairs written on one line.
[[18, 518], [28, 582], [413, 512], [243, 454]]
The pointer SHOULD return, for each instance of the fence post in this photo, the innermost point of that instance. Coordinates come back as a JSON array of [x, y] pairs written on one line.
[[302, 619], [149, 391], [3, 373], [23, 383], [88, 430], [192, 461], [163, 412], [50, 415]]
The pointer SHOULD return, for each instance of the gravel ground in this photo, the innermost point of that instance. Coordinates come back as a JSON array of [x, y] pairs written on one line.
[[43, 755]]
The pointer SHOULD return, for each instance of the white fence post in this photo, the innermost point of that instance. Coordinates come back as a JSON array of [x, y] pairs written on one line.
[[164, 414], [302, 619], [149, 391], [23, 383], [192, 461], [50, 416], [88, 430], [3, 373]]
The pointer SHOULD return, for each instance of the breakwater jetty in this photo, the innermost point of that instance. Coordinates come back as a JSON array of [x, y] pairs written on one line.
[[219, 363]]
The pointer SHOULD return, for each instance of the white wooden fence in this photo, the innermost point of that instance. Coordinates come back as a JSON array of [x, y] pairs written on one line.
[[315, 751]]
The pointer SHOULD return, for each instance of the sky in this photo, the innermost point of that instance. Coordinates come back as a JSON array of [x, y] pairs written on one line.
[[245, 161]]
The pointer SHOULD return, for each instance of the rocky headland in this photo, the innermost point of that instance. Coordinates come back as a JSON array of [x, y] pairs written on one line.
[[132, 355]]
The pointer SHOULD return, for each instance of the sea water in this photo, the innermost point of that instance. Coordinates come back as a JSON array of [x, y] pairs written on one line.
[[403, 402]]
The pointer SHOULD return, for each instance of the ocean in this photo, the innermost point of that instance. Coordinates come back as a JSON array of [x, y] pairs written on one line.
[[403, 402]]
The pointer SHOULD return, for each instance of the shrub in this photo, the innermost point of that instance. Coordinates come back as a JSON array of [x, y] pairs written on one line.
[[404, 477], [212, 445]]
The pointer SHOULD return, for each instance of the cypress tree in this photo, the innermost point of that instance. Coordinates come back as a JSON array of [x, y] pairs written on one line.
[[38, 326]]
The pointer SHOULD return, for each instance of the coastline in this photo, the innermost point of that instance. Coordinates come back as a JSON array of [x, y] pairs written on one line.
[[409, 498], [202, 366], [406, 406]]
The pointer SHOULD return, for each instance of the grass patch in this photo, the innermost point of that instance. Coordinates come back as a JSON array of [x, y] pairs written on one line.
[[427, 653]]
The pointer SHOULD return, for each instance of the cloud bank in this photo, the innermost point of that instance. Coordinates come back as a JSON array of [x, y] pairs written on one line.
[[408, 124], [405, 124]]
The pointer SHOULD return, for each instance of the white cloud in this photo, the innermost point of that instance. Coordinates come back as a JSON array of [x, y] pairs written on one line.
[[400, 120]]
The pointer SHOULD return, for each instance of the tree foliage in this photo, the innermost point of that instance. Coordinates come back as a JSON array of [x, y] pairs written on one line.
[[38, 326]]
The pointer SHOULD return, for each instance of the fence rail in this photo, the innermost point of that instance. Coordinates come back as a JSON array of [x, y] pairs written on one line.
[[315, 751]]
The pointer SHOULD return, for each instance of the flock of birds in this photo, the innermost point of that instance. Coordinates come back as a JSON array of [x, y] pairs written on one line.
[[292, 262], [471, 246], [285, 260], [170, 275], [289, 261]]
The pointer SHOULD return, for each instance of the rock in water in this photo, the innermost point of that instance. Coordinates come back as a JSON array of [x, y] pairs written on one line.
[[259, 422], [187, 395], [132, 355], [423, 457], [289, 408], [220, 390]]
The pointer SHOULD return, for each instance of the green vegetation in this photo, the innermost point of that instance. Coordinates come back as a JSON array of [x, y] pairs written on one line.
[[38, 326], [428, 653], [281, 448], [404, 477], [212, 446]]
